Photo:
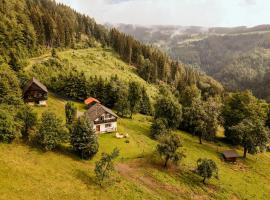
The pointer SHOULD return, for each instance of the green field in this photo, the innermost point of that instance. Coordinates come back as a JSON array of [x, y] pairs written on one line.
[[28, 173]]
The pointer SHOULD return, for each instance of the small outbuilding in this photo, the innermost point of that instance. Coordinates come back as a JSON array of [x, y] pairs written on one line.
[[35, 92], [230, 155], [90, 101]]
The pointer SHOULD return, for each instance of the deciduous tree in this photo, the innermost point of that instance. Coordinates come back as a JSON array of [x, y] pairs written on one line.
[[169, 149], [105, 166], [207, 168], [252, 135]]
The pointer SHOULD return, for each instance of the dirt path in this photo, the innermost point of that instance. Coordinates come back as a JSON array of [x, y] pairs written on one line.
[[132, 172]]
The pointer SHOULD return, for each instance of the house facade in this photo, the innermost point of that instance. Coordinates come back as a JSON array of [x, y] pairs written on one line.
[[35, 93], [104, 119]]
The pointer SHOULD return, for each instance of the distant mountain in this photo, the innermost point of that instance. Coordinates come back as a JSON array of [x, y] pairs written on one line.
[[239, 57]]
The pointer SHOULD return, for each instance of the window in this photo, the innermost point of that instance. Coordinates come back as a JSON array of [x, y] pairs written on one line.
[[108, 115], [108, 125]]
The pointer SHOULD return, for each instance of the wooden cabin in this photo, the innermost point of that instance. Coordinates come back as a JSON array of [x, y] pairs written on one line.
[[230, 155], [104, 119], [35, 93]]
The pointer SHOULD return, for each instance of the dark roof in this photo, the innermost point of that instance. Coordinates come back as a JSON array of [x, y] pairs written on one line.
[[230, 154], [97, 110], [35, 81]]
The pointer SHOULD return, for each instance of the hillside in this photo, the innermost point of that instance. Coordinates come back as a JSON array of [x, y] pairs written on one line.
[[29, 172], [169, 113], [96, 61], [237, 57]]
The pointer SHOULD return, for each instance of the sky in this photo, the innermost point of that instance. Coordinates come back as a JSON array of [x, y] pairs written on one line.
[[208, 13]]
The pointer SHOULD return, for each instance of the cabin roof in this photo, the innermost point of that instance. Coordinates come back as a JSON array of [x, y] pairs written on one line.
[[97, 110], [90, 100], [230, 154], [37, 82]]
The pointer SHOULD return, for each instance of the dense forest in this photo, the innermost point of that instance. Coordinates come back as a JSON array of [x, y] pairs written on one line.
[[31, 27], [238, 61]]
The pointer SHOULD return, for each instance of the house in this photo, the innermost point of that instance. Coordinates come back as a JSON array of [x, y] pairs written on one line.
[[104, 119], [35, 92], [230, 155], [90, 101]]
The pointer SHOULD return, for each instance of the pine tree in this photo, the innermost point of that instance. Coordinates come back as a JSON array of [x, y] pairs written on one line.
[[71, 112], [83, 138], [51, 132], [145, 105], [134, 96]]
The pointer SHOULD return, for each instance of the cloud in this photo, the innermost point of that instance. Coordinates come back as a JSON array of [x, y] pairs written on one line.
[[250, 2], [118, 1], [176, 12]]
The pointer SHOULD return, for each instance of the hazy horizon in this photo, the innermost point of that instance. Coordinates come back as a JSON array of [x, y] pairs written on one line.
[[204, 13]]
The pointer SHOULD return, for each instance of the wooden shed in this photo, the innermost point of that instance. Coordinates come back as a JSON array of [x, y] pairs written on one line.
[[230, 155]]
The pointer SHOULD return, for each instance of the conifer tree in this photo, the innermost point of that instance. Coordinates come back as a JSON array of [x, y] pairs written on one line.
[[51, 132], [71, 112], [145, 104], [134, 96], [83, 138]]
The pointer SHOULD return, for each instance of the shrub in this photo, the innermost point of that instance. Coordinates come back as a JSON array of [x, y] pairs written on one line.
[[28, 120], [8, 126]]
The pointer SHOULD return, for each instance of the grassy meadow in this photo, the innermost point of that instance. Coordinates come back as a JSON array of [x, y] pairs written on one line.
[[98, 62], [29, 173]]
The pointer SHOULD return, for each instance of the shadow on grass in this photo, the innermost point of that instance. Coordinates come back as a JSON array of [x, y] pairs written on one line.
[[84, 177], [61, 149]]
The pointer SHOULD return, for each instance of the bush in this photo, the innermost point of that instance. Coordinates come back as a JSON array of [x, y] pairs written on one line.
[[28, 120], [8, 126], [83, 138], [51, 132]]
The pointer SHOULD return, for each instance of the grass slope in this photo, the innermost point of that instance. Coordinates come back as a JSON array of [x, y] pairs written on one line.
[[98, 62], [28, 173]]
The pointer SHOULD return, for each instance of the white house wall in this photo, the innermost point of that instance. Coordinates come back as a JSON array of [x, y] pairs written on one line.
[[104, 129]]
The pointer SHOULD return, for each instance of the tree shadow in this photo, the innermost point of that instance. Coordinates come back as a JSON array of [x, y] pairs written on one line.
[[60, 149], [85, 178]]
